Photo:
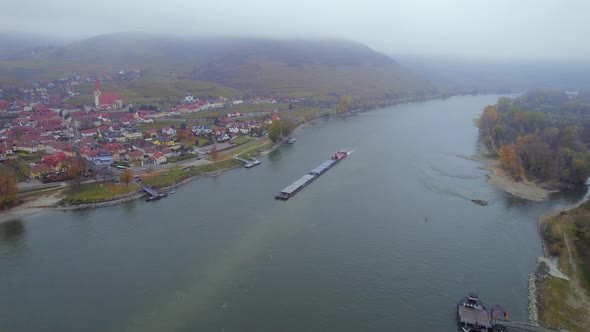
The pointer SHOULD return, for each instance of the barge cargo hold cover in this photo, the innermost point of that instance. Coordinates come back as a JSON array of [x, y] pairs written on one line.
[[293, 188]]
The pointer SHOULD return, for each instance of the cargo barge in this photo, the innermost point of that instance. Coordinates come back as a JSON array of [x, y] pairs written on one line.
[[308, 178]]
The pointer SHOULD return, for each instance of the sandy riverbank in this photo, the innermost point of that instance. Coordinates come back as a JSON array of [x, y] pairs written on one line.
[[34, 204], [500, 179]]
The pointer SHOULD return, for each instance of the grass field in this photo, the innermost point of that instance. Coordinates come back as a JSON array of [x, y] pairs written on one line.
[[159, 124], [35, 190], [176, 174], [243, 139], [252, 149], [97, 192], [565, 303]]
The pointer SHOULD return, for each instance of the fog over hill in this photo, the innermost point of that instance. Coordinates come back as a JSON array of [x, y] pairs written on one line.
[[314, 68], [492, 75]]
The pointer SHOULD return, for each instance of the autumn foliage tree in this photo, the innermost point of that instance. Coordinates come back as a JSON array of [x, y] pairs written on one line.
[[288, 125], [510, 161], [213, 153], [539, 135], [76, 168], [344, 105], [7, 190], [274, 130], [181, 134], [126, 176]]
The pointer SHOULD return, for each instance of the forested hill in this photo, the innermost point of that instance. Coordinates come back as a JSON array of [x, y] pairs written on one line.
[[315, 69], [541, 135]]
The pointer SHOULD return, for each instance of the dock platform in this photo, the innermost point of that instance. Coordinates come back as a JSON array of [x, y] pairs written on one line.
[[248, 163], [152, 194]]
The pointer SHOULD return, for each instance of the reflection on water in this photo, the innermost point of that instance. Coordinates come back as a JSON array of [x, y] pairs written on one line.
[[12, 231], [12, 236], [130, 208]]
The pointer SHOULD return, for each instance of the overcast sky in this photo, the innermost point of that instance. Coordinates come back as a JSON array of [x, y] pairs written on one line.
[[499, 28]]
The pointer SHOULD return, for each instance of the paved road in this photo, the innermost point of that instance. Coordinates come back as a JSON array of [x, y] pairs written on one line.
[[137, 170]]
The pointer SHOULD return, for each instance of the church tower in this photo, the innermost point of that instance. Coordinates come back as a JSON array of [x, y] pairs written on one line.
[[96, 93]]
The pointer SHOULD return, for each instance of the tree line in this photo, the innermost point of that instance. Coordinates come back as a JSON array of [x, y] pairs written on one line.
[[535, 140]]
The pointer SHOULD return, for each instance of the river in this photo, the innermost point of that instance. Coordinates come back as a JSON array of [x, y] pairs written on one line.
[[351, 252]]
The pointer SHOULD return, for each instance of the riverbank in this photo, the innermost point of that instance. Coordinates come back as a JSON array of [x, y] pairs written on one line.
[[562, 295], [500, 179], [33, 204], [43, 202]]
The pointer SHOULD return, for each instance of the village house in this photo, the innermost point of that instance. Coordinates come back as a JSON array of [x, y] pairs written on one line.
[[158, 158], [202, 130], [168, 153], [223, 137], [189, 98], [89, 132], [102, 158], [234, 114], [273, 117], [28, 147], [5, 152], [55, 161], [162, 140], [233, 129], [39, 170], [135, 155], [131, 135], [169, 131]]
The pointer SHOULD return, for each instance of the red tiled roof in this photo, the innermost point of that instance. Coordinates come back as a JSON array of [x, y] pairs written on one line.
[[50, 161], [40, 168], [108, 98], [135, 153]]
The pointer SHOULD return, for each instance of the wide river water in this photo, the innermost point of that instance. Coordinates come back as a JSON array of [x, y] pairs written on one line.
[[351, 252]]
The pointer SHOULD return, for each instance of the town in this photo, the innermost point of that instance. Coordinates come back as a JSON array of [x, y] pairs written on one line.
[[44, 138]]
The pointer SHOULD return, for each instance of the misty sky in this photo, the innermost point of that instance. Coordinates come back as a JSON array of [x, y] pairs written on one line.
[[500, 28]]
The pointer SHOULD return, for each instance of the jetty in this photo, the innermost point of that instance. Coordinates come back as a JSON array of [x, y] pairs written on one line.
[[473, 316], [515, 324], [152, 194], [308, 178], [248, 163]]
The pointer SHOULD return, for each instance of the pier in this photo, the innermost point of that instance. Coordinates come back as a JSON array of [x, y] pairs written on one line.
[[522, 325], [152, 194], [248, 163]]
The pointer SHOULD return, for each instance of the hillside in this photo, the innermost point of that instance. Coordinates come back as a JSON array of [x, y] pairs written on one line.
[[312, 69], [316, 69]]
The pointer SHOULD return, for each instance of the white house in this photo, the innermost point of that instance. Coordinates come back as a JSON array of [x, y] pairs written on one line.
[[169, 131]]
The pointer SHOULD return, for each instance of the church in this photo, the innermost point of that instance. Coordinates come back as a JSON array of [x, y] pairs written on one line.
[[106, 101]]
